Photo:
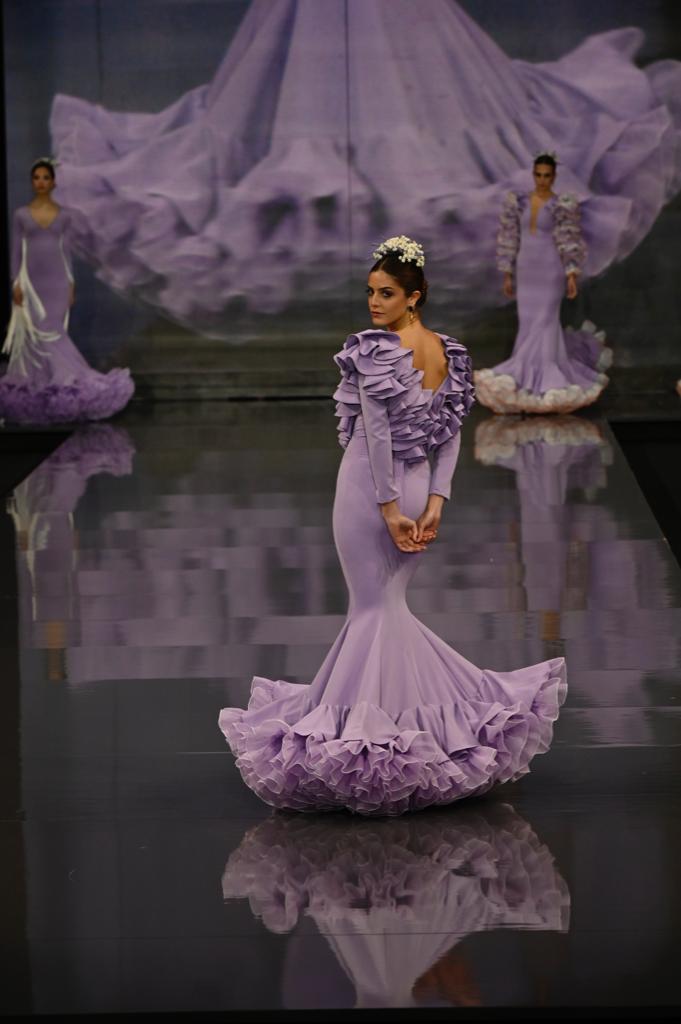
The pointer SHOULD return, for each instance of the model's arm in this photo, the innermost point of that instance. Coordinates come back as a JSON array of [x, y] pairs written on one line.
[[402, 529], [15, 258], [567, 235], [379, 443], [508, 241], [444, 463]]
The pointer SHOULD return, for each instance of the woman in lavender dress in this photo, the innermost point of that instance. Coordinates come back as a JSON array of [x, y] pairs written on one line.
[[395, 719], [47, 380], [540, 245]]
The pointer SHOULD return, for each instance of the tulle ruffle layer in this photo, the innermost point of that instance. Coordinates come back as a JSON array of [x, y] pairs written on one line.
[[313, 758], [586, 349], [92, 396], [420, 419]]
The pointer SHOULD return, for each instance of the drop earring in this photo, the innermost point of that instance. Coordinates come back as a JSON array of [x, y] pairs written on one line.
[[412, 314]]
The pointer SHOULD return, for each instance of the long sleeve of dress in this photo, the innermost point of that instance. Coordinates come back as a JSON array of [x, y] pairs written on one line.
[[66, 243], [15, 256], [567, 234], [443, 465], [508, 238], [379, 443]]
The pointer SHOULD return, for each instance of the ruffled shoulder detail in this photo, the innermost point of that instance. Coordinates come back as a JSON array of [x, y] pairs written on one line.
[[419, 419], [386, 372], [515, 201], [567, 201], [456, 396], [381, 360]]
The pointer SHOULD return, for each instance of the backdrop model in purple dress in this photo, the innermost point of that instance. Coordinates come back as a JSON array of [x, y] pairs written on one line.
[[550, 370], [285, 169], [48, 380], [395, 719]]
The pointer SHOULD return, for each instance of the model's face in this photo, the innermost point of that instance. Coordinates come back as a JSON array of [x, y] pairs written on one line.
[[42, 181], [388, 301], [544, 177]]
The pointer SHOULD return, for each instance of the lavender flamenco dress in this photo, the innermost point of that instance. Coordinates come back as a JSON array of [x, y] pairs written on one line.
[[550, 370], [48, 380], [395, 719]]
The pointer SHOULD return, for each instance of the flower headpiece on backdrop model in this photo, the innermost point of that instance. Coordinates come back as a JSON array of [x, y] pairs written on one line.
[[407, 249], [45, 160], [546, 152]]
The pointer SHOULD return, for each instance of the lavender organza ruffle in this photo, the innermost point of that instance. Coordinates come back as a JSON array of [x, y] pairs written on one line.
[[96, 396], [313, 758], [418, 422]]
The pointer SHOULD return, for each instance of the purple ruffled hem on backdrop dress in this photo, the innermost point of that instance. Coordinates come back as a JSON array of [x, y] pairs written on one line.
[[90, 396], [395, 719]]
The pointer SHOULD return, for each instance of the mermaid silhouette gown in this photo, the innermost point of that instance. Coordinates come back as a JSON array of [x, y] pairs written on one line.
[[395, 719], [48, 380], [550, 370]]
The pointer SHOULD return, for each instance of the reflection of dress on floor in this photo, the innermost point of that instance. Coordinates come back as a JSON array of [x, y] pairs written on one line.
[[550, 370], [394, 898], [551, 456], [43, 506], [48, 380], [394, 719]]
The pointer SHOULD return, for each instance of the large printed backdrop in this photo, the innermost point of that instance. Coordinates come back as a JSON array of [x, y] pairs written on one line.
[[236, 162]]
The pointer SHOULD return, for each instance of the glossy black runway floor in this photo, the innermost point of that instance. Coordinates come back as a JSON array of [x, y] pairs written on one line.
[[160, 564]]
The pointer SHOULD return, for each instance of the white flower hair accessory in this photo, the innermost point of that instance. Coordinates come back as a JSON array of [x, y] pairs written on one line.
[[407, 249], [52, 161], [546, 152]]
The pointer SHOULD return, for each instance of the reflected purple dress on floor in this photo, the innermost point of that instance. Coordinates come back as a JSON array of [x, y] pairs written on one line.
[[48, 380], [550, 370], [395, 719]]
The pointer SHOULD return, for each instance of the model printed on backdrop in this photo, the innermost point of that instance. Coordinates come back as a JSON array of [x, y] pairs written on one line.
[[238, 194], [541, 253], [48, 380]]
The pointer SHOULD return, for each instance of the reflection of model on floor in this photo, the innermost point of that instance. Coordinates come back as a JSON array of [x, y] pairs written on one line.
[[240, 193], [43, 507], [395, 719], [395, 899], [47, 380], [550, 456], [541, 250]]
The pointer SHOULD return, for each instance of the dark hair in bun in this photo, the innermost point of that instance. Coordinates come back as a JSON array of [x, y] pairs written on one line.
[[47, 164], [408, 275]]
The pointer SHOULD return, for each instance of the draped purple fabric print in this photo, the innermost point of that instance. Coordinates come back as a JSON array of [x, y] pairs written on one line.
[[291, 157], [48, 380], [395, 719]]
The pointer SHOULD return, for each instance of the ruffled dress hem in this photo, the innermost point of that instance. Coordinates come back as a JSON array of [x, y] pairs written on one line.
[[501, 392], [97, 396], [300, 757]]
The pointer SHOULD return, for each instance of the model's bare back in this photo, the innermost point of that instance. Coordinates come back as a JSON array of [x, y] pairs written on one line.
[[429, 354]]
